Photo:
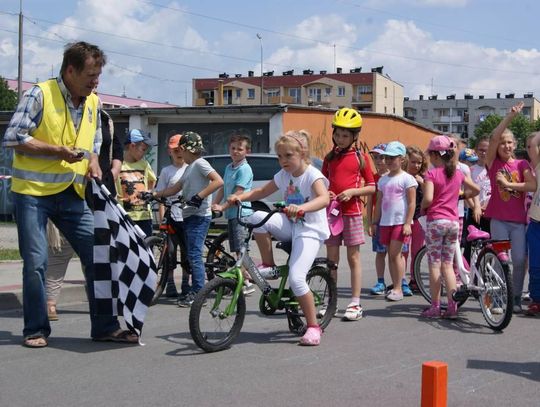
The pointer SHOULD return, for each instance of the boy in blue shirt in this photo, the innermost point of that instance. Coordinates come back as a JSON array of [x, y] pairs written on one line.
[[238, 178]]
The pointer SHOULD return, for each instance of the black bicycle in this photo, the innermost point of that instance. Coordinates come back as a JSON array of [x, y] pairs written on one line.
[[164, 245]]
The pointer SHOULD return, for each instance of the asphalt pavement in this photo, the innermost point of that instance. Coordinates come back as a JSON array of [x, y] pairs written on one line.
[[372, 362]]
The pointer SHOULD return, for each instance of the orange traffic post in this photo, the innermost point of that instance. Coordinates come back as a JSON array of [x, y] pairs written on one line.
[[434, 384]]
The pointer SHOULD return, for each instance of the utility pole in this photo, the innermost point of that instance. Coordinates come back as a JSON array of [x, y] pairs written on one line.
[[259, 36], [19, 79]]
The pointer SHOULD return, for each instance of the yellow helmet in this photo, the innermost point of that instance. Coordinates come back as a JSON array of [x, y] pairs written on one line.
[[347, 118]]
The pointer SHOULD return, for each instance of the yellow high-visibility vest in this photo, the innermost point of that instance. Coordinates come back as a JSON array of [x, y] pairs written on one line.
[[42, 175]]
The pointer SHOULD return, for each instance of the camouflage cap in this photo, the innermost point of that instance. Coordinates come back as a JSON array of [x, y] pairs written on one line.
[[191, 142]]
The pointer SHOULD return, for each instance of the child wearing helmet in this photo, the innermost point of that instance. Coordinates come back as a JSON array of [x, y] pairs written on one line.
[[351, 178]]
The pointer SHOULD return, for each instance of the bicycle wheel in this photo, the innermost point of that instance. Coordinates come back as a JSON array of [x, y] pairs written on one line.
[[421, 273], [218, 258], [324, 290], [159, 248], [210, 327], [496, 299]]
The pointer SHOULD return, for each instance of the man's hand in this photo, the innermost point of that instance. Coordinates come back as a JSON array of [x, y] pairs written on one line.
[[94, 170], [69, 154]]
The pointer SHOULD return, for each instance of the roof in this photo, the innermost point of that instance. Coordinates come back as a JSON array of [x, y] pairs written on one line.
[[287, 81], [120, 101]]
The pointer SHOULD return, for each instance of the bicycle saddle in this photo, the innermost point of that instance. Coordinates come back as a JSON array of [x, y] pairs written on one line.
[[476, 234]]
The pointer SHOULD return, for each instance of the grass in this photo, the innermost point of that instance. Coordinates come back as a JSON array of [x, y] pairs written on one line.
[[9, 254]]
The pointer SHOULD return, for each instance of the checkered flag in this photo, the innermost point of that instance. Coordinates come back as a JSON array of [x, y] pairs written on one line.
[[125, 270]]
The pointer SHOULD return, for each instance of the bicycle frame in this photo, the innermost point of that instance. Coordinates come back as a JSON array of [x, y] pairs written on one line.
[[500, 247]]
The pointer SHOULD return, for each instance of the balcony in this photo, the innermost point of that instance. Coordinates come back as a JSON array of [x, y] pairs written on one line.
[[275, 100], [448, 119], [363, 98]]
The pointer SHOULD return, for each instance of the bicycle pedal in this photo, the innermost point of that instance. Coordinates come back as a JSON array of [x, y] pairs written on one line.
[[461, 295], [296, 325]]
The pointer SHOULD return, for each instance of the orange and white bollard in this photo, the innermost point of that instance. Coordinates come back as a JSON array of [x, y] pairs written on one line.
[[434, 384]]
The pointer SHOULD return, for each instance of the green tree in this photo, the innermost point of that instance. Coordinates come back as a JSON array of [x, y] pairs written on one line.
[[486, 126], [521, 126], [8, 98], [536, 125]]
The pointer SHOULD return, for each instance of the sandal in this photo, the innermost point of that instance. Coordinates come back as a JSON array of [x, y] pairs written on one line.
[[35, 342], [51, 312], [123, 336]]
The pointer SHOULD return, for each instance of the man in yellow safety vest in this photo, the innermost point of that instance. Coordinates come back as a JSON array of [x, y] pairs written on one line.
[[56, 136]]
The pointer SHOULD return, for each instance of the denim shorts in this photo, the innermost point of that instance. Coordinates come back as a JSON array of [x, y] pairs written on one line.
[[237, 234]]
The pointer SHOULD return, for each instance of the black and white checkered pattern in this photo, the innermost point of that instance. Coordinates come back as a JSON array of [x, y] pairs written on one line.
[[125, 270]]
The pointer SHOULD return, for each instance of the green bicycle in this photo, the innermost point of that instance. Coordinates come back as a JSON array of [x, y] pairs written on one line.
[[218, 311]]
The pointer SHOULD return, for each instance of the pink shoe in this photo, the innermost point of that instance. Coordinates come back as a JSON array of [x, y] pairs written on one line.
[[312, 337], [431, 312], [451, 311]]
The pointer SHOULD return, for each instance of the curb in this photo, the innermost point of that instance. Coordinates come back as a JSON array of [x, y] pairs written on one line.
[[71, 293]]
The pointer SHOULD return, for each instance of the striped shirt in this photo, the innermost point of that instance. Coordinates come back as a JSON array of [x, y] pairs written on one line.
[[27, 117]]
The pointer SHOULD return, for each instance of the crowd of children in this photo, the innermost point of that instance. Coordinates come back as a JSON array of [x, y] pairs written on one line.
[[399, 185]]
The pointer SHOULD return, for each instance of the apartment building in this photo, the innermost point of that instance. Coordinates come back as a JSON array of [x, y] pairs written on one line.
[[365, 91], [462, 116]]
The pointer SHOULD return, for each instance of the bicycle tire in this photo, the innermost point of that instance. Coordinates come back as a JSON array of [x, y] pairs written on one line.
[[158, 245], [210, 329], [218, 259], [324, 290], [421, 273], [498, 292], [421, 277]]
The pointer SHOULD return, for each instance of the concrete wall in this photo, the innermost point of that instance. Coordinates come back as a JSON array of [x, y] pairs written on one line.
[[376, 129]]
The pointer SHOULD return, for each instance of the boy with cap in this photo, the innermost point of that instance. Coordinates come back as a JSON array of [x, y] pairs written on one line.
[[197, 183], [136, 176], [169, 176]]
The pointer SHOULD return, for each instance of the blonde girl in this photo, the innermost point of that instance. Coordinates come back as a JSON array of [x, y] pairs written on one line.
[[304, 188]]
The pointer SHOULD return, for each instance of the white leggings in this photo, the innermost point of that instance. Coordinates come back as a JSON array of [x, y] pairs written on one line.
[[303, 253]]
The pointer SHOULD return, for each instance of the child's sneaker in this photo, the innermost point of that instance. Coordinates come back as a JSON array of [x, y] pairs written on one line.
[[249, 288], [322, 312], [354, 312], [394, 296], [451, 311], [378, 289], [413, 286], [312, 337], [431, 312], [407, 292], [533, 310]]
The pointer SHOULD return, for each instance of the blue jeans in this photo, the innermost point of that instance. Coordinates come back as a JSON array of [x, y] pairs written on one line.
[[196, 229], [533, 240], [74, 219]]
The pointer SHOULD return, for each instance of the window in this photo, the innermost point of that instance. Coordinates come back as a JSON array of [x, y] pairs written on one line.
[[424, 114], [364, 89], [251, 93], [273, 92], [238, 93], [385, 92], [341, 91], [327, 91], [315, 94], [294, 93]]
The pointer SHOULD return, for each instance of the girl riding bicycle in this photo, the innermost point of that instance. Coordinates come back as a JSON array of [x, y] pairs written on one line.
[[442, 185], [304, 190]]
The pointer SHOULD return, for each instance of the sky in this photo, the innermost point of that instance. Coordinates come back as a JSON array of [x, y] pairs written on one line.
[[156, 47]]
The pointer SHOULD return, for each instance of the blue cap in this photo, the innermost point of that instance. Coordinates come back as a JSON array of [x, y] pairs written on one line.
[[468, 154], [136, 136], [394, 149], [379, 148]]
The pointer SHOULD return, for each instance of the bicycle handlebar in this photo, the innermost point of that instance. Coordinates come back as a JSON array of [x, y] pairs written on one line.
[[149, 197], [280, 207]]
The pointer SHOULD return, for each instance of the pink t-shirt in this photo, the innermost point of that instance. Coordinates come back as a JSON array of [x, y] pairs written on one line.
[[506, 205], [445, 194]]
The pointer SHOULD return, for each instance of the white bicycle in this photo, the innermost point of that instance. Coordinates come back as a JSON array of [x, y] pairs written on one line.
[[488, 278]]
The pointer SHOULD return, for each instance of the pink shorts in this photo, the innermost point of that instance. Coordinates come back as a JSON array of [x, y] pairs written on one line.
[[389, 233], [353, 232]]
